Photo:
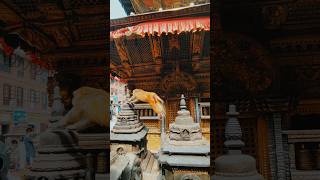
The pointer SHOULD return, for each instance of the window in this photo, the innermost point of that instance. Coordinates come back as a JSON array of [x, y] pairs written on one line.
[[1, 60], [6, 94], [33, 98], [20, 65], [33, 71], [19, 96], [37, 97], [44, 100], [5, 62], [13, 93]]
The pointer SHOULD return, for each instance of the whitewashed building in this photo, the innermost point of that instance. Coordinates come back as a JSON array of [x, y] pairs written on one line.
[[23, 92]]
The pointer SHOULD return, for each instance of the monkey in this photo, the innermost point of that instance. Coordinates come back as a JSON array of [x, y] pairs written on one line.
[[156, 103], [89, 108]]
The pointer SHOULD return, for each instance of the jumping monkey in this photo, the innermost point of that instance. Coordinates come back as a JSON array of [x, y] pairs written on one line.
[[156, 103]]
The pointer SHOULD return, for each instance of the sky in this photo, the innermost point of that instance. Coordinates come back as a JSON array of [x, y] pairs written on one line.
[[116, 10]]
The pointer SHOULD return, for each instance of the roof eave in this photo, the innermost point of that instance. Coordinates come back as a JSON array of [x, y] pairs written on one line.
[[197, 10]]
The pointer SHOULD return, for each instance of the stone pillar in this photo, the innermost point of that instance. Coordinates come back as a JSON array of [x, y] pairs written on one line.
[[279, 151], [197, 113], [90, 166], [271, 150], [292, 156]]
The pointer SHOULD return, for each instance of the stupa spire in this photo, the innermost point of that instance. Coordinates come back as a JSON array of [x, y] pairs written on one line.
[[243, 166], [233, 132]]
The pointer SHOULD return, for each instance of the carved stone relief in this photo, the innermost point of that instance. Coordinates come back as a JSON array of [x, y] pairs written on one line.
[[190, 177]]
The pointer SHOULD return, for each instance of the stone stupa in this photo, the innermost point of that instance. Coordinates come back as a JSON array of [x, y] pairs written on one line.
[[129, 132], [185, 152], [234, 165], [58, 155]]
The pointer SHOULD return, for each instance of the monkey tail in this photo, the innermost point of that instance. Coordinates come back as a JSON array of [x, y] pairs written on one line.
[[157, 98], [164, 112]]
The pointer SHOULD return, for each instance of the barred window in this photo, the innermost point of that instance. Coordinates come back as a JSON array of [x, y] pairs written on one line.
[[44, 100], [1, 59], [6, 94], [19, 96], [38, 97], [5, 62], [33, 98], [33, 71], [20, 65]]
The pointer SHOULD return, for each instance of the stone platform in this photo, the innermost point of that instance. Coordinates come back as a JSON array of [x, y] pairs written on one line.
[[94, 141]]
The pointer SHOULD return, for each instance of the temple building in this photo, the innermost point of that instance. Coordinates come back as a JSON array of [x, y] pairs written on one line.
[[266, 62], [161, 49], [164, 47]]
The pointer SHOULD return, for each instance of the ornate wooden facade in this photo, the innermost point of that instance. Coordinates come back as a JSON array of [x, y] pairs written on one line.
[[166, 63], [266, 59]]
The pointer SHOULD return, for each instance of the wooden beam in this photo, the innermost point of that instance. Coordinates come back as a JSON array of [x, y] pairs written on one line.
[[9, 5]]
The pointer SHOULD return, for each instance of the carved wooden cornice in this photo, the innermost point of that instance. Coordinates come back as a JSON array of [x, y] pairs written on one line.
[[185, 12]]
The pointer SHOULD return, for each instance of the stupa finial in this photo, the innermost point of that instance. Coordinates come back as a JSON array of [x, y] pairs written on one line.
[[183, 103]]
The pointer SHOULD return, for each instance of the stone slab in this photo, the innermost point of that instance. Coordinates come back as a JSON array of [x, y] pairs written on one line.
[[118, 167], [129, 137], [185, 160], [186, 149], [102, 176]]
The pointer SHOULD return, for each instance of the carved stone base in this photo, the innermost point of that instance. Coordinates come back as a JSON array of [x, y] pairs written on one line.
[[189, 173], [305, 175]]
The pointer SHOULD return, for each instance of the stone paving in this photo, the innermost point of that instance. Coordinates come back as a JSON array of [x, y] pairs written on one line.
[[16, 175]]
